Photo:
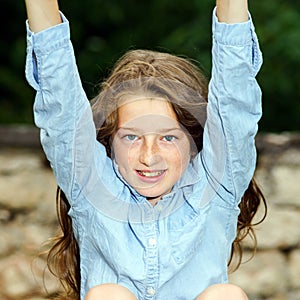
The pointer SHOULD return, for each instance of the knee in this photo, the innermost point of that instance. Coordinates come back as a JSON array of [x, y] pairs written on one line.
[[109, 291], [224, 292]]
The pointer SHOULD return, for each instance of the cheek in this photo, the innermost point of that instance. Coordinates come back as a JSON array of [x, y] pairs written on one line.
[[185, 155], [124, 155], [132, 156], [119, 152], [179, 156]]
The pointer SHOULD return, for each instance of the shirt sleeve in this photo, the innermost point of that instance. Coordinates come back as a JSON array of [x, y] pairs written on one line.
[[62, 110], [233, 111]]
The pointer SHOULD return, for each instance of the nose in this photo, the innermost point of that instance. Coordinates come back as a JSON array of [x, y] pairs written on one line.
[[149, 151]]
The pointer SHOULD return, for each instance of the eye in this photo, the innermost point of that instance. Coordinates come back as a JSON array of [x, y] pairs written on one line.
[[131, 137], [169, 138]]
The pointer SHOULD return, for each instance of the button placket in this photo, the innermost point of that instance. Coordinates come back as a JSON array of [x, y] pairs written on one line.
[[151, 291], [151, 257], [152, 242]]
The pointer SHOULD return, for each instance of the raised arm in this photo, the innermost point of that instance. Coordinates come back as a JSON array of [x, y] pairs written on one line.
[[234, 102], [42, 14], [61, 108], [232, 11]]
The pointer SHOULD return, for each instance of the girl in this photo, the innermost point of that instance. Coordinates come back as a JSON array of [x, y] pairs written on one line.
[[156, 184]]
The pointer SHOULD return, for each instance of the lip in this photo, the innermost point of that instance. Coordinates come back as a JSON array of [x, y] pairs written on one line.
[[150, 176]]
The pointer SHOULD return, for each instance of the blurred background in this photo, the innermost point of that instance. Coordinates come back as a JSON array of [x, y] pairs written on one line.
[[102, 30]]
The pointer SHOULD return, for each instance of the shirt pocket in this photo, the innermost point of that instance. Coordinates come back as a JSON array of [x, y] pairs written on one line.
[[186, 233]]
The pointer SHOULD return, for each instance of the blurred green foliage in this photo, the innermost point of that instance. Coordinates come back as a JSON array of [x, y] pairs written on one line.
[[102, 30]]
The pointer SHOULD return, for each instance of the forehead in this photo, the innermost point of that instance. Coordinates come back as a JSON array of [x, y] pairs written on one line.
[[148, 114]]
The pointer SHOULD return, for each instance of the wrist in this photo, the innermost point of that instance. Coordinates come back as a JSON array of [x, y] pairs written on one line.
[[232, 11], [42, 14]]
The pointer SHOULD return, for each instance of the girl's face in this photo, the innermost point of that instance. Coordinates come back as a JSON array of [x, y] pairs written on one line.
[[150, 148]]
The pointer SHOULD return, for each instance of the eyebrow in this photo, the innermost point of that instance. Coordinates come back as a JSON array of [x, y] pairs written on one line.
[[162, 130]]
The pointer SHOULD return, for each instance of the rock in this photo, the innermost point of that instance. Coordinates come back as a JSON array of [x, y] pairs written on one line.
[[281, 184], [294, 270], [265, 275], [287, 186], [10, 239], [22, 275], [280, 230], [15, 160], [26, 238], [25, 182]]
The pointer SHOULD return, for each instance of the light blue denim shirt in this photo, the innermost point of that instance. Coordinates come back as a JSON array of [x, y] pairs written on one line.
[[179, 247]]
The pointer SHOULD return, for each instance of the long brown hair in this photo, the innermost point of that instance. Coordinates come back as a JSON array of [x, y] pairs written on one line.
[[154, 73]]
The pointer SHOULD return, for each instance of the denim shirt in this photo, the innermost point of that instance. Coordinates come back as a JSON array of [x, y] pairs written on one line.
[[179, 247]]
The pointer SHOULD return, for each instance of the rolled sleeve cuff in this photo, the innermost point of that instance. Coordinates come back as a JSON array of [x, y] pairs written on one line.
[[43, 43], [238, 34]]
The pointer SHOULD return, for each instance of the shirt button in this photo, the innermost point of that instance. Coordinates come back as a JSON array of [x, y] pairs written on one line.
[[159, 208], [152, 242], [151, 291]]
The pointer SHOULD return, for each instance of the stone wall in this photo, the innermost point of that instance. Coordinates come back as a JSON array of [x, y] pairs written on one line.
[[27, 220], [274, 272]]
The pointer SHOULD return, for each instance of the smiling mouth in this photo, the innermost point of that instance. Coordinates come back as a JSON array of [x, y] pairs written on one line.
[[151, 174]]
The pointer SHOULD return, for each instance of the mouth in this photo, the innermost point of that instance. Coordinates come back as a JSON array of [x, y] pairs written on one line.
[[150, 175]]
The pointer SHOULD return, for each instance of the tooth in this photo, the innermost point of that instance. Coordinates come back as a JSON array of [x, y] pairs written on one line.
[[150, 174]]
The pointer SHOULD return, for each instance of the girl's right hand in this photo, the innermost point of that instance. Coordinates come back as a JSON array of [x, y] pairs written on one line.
[[42, 14]]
